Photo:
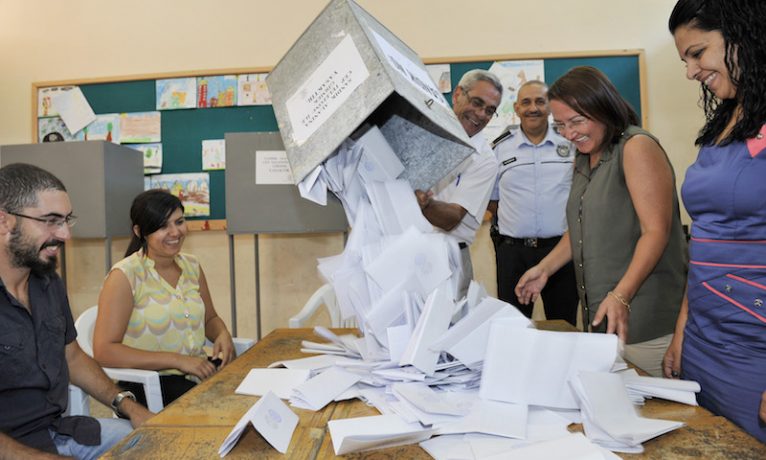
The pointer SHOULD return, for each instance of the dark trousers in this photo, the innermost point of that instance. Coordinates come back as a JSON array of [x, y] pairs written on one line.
[[560, 293], [172, 387]]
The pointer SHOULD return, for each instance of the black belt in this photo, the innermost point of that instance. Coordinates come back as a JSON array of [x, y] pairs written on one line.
[[462, 245], [530, 242]]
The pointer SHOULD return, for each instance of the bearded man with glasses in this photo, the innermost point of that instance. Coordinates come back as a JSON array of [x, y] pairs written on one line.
[[38, 350]]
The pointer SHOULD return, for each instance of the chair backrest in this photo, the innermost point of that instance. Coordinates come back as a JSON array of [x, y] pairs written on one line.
[[325, 295], [84, 326]]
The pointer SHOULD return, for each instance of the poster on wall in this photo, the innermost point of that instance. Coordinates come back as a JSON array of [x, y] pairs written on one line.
[[213, 154], [53, 129], [253, 90], [176, 93], [441, 75], [73, 108], [45, 106], [140, 127], [512, 75], [104, 128], [152, 154], [217, 91], [193, 189]]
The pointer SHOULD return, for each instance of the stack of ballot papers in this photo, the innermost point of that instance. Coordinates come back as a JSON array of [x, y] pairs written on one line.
[[642, 387], [566, 446], [609, 418], [467, 377], [366, 433]]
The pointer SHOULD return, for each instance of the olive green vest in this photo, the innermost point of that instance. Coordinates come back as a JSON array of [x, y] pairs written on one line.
[[604, 230]]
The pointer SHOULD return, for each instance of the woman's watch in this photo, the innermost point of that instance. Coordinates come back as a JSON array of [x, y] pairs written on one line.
[[119, 397]]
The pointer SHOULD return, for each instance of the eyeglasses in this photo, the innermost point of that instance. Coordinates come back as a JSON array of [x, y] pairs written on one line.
[[573, 123], [479, 104], [52, 222]]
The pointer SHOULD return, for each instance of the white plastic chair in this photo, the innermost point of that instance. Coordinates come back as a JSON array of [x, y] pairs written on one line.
[[78, 402], [325, 295], [149, 379]]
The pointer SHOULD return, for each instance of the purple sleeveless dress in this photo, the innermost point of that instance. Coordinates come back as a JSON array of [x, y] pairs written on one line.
[[724, 346]]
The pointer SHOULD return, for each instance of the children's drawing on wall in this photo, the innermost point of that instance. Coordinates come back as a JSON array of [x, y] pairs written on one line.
[[253, 90], [53, 129], [176, 93], [217, 91], [140, 127], [73, 108], [512, 74], [103, 128], [45, 106], [193, 189], [213, 154], [152, 154], [441, 75]]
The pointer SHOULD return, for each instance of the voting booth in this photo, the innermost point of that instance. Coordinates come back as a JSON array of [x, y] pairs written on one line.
[[101, 178], [347, 71]]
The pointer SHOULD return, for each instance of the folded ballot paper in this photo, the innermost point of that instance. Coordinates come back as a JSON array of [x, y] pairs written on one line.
[[527, 366], [366, 433], [609, 418], [467, 339], [271, 418], [319, 391], [573, 446], [281, 382], [541, 425], [641, 387]]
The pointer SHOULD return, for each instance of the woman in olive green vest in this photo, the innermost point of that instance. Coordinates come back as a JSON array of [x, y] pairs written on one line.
[[625, 235]]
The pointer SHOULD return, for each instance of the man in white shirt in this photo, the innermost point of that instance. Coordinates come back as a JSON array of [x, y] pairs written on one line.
[[529, 199], [459, 208]]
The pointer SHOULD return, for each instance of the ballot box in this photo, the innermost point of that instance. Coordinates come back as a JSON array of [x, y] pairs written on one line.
[[347, 71], [101, 179]]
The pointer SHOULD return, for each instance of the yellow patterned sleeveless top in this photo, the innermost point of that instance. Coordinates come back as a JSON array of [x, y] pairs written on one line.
[[164, 318]]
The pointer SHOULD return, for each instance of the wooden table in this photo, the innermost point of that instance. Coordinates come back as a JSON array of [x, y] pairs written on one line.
[[195, 425]]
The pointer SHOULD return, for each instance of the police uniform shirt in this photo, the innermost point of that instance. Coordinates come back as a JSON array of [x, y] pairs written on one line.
[[472, 189], [533, 185]]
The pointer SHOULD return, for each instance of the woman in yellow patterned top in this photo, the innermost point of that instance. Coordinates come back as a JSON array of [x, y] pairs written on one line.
[[155, 309]]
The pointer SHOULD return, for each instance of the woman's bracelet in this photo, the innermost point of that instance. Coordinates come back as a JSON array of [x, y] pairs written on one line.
[[620, 299]]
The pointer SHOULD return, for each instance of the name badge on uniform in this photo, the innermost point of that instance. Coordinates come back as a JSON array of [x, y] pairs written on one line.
[[509, 161], [562, 150]]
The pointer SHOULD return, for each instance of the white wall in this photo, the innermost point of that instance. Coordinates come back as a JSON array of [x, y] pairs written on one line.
[[43, 40]]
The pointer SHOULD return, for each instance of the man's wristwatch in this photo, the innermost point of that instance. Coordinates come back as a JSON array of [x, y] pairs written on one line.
[[118, 400]]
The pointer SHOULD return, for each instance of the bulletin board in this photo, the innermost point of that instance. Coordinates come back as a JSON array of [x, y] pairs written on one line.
[[184, 130]]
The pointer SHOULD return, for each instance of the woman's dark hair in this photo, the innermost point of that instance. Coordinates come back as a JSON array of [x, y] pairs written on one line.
[[743, 27], [590, 93], [150, 212]]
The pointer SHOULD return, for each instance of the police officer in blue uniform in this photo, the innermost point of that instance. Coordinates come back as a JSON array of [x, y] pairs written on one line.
[[529, 199]]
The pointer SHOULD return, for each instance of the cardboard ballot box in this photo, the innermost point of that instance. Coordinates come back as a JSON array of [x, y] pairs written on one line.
[[101, 179], [346, 70]]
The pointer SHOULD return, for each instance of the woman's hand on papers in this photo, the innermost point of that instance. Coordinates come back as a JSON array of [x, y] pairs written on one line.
[[531, 284], [671, 363], [196, 366], [617, 317]]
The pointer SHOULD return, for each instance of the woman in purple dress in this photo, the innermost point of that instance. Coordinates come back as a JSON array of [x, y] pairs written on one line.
[[720, 338]]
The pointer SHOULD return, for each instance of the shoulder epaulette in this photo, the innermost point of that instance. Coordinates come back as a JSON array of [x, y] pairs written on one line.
[[507, 133]]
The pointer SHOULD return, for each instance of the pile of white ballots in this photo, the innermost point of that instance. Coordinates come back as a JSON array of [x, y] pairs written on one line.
[[467, 378]]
